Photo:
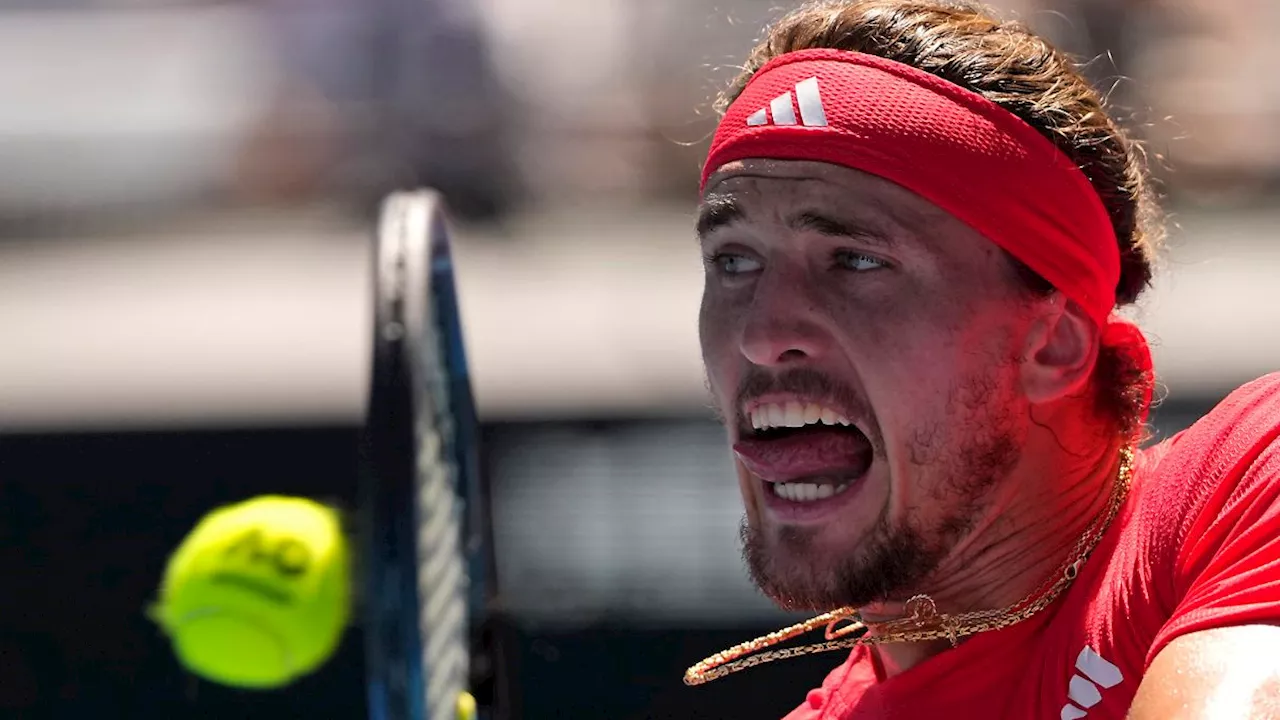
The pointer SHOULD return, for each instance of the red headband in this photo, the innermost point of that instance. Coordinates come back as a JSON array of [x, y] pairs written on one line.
[[951, 146]]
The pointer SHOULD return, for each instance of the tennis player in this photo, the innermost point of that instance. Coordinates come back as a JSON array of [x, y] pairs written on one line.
[[918, 224]]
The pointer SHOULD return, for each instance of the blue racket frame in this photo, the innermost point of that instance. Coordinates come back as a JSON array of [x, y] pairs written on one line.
[[425, 557]]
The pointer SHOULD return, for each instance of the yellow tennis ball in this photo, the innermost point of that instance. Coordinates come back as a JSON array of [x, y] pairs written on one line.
[[466, 706], [258, 594]]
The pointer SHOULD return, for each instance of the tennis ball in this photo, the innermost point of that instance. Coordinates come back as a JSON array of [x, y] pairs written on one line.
[[466, 706], [257, 594]]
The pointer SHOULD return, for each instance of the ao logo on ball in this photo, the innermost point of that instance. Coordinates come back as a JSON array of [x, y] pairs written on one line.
[[259, 593], [258, 563]]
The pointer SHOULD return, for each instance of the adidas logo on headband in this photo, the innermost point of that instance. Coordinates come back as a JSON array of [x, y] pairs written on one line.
[[782, 108]]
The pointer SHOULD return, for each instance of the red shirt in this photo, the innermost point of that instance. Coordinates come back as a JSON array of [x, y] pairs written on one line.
[[1196, 546]]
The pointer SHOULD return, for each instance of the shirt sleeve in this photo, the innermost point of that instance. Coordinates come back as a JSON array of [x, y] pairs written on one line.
[[1216, 521]]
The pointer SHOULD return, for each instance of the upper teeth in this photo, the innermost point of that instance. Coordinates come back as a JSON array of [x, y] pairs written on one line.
[[794, 414]]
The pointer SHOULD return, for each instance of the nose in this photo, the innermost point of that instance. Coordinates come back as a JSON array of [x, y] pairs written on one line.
[[783, 325]]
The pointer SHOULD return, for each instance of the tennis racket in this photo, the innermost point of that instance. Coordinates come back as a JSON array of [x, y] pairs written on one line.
[[425, 562]]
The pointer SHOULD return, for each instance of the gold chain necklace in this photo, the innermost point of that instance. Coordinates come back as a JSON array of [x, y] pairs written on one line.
[[922, 621]]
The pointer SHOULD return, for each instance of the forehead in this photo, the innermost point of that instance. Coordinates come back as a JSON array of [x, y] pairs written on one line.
[[776, 191], [757, 184]]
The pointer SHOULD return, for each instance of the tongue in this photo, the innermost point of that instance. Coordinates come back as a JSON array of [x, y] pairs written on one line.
[[807, 453]]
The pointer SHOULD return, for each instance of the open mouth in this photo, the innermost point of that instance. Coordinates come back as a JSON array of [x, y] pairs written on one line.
[[803, 451]]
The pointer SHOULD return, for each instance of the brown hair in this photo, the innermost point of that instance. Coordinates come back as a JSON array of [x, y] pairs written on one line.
[[968, 45]]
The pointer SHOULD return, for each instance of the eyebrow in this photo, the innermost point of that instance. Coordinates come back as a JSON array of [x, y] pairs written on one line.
[[717, 213], [837, 227]]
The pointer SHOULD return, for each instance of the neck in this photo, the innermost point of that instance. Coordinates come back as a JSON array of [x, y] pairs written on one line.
[[1018, 546]]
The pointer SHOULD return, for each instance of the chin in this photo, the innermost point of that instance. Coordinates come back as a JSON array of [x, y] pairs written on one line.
[[852, 561], [795, 575]]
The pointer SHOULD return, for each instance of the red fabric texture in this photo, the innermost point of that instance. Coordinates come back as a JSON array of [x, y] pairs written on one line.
[[951, 146], [1196, 547]]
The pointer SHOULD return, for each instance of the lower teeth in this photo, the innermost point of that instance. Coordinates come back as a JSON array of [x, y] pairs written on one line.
[[808, 492]]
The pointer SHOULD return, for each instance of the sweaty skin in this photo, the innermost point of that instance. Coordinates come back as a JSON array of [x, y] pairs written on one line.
[[827, 284]]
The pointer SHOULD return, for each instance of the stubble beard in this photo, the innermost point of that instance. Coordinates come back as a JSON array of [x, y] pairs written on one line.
[[896, 560]]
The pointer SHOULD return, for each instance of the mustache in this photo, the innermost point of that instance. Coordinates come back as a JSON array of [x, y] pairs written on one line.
[[806, 381]]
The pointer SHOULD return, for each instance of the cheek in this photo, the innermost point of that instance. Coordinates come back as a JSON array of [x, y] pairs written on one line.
[[715, 334], [706, 324], [925, 331], [898, 349], [911, 356]]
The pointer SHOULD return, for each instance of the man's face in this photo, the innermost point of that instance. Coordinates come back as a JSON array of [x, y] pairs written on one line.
[[863, 348]]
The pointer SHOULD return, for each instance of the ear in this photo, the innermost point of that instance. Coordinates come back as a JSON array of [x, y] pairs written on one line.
[[1060, 351]]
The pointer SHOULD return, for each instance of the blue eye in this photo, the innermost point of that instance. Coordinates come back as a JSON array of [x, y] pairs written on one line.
[[857, 262], [731, 264]]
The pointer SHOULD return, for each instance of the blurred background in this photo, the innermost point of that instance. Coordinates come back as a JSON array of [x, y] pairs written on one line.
[[186, 195]]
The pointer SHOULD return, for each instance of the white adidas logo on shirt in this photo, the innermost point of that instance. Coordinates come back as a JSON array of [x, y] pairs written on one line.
[[1085, 692], [782, 108]]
